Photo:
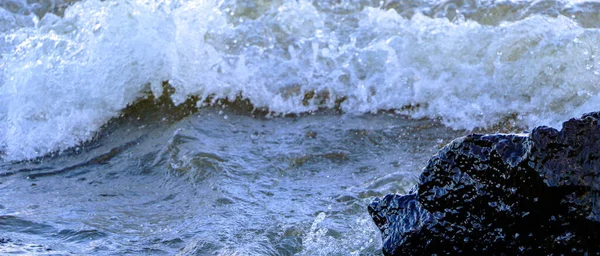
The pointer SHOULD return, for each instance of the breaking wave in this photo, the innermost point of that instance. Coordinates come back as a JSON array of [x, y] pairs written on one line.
[[68, 67]]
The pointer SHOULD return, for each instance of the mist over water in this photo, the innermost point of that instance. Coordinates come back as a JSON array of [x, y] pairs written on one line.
[[259, 127]]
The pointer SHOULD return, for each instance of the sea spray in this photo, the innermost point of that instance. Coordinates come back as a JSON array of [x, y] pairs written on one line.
[[64, 77]]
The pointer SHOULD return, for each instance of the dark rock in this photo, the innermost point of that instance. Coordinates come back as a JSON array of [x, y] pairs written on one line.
[[502, 194], [398, 217]]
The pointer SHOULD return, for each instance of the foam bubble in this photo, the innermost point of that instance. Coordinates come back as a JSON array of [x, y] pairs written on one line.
[[68, 76], [362, 237], [63, 77]]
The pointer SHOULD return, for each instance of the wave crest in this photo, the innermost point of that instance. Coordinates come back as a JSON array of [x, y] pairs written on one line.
[[64, 77]]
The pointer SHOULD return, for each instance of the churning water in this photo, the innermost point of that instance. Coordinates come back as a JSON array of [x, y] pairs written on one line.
[[259, 127]]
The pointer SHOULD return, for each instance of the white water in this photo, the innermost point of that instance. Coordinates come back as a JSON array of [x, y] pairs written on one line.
[[62, 78]]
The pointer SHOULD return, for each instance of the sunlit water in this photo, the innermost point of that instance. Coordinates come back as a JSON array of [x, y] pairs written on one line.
[[278, 121]]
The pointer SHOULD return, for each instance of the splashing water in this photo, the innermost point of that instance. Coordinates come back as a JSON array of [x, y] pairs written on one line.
[[165, 126], [64, 77]]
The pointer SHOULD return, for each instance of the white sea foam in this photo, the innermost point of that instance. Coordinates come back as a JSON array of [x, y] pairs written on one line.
[[62, 78]]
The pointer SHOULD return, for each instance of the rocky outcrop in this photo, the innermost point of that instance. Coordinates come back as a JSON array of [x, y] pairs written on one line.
[[534, 194]]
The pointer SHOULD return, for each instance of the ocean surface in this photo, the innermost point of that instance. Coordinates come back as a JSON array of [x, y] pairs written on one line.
[[174, 127]]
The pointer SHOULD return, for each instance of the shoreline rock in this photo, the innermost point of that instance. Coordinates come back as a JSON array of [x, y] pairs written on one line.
[[502, 194]]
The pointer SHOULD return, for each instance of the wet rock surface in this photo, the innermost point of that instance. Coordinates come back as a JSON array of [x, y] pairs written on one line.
[[502, 194]]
